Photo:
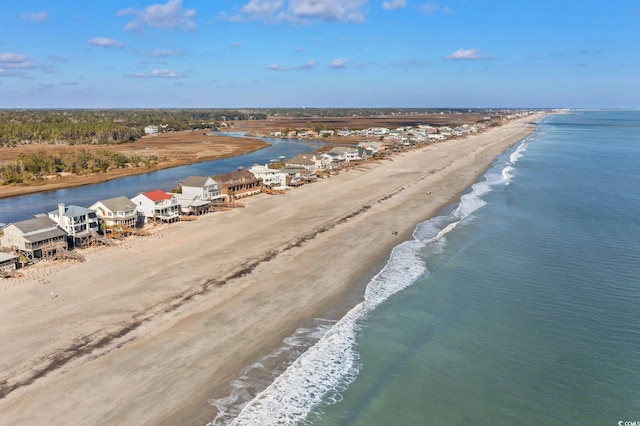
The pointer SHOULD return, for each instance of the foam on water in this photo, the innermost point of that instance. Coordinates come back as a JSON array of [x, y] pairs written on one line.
[[517, 154], [507, 172], [329, 366], [507, 175]]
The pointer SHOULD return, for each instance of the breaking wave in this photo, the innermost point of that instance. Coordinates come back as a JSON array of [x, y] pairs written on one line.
[[327, 368]]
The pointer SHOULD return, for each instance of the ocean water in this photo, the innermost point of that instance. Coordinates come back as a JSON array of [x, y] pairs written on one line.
[[518, 305]]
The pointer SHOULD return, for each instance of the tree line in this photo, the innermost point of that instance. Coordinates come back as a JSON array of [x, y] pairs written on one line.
[[40, 164], [75, 127]]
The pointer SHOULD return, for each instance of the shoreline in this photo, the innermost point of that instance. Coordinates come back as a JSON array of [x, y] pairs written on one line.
[[74, 181], [274, 271]]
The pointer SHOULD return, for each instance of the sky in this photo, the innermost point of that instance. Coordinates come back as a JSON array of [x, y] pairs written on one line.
[[319, 53]]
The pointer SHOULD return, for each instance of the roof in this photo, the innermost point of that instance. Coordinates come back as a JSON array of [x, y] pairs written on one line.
[[342, 149], [157, 195], [6, 256], [300, 159], [72, 211], [238, 175], [118, 204], [198, 181], [190, 200], [35, 224], [40, 236]]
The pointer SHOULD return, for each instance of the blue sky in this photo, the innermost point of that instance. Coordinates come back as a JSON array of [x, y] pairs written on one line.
[[319, 53]]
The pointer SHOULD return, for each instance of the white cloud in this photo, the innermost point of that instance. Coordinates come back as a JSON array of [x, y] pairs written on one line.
[[105, 42], [471, 54], [327, 10], [11, 64], [159, 73], [34, 17], [170, 15], [300, 11], [15, 61], [262, 10], [394, 4], [339, 63], [306, 65]]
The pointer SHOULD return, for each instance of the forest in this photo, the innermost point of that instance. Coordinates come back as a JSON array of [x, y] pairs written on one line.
[[89, 126]]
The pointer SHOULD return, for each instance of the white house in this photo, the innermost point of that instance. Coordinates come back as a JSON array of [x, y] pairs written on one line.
[[346, 153], [192, 204], [77, 221], [302, 161], [202, 187], [269, 177], [116, 212], [157, 205]]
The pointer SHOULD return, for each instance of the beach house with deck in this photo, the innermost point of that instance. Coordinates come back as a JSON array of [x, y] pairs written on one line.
[[80, 223], [34, 238], [273, 178], [203, 188], [238, 184], [115, 213], [157, 206]]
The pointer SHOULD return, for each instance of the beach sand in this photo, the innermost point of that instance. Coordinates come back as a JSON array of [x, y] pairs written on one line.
[[144, 332]]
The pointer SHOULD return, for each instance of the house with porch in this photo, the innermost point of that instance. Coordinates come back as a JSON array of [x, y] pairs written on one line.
[[203, 188], [115, 213], [346, 153], [157, 206], [371, 148], [238, 184], [302, 161], [192, 204], [34, 238], [273, 178], [80, 223], [293, 176]]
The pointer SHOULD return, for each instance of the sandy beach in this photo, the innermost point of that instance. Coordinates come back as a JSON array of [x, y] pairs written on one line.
[[143, 332]]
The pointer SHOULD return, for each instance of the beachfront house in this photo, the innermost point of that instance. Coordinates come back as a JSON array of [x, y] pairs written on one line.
[[192, 204], [116, 213], [371, 148], [157, 206], [34, 238], [293, 176], [238, 184], [302, 161], [273, 178], [80, 223], [346, 153], [8, 262], [203, 188]]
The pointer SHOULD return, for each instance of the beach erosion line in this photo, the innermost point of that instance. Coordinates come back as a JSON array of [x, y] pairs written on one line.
[[86, 345], [327, 368], [122, 333]]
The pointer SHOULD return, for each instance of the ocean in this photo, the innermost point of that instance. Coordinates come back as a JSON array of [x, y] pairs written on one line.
[[520, 304]]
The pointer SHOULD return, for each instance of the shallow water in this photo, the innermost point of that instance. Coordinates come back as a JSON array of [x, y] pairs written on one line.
[[517, 306]]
